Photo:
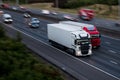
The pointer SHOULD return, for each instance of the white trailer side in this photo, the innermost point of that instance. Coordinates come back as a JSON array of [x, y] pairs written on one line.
[[62, 34]]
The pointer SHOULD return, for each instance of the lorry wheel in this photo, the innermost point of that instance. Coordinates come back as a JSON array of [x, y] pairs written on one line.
[[98, 47], [51, 42], [65, 48]]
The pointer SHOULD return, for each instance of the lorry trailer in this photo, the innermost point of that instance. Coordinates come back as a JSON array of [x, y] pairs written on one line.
[[70, 37]]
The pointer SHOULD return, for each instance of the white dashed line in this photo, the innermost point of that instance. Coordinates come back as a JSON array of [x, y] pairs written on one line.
[[108, 43], [114, 62], [112, 51]]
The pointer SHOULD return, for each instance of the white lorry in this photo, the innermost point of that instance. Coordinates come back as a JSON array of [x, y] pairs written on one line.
[[70, 37]]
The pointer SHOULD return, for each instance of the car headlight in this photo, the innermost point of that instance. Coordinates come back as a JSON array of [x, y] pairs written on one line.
[[11, 20], [6, 20]]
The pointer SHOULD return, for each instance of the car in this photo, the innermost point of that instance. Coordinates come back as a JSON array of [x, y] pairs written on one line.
[[34, 23], [45, 12], [7, 18], [54, 13], [68, 17], [14, 8], [26, 15], [86, 14], [21, 7], [1, 12], [35, 20], [117, 24], [5, 6]]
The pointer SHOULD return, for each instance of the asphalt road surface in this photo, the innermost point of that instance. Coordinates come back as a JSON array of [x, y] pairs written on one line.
[[104, 64]]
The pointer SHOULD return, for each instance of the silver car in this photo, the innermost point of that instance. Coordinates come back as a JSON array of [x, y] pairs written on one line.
[[7, 18]]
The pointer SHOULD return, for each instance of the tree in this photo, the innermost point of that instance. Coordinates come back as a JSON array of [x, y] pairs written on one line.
[[110, 3]]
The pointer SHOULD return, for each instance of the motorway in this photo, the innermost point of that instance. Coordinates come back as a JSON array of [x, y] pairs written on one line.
[[104, 64]]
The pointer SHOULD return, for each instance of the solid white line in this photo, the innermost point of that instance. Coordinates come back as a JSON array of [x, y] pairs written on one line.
[[67, 54]]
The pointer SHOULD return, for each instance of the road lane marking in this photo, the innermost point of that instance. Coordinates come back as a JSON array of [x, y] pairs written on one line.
[[114, 62], [108, 43], [66, 53], [112, 51]]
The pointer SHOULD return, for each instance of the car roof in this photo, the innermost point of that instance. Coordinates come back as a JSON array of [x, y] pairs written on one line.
[[34, 18], [6, 15]]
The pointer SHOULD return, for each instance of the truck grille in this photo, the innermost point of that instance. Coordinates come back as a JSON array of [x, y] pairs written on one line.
[[84, 52], [84, 49]]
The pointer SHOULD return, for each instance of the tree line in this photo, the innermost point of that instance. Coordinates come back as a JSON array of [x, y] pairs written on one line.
[[78, 3]]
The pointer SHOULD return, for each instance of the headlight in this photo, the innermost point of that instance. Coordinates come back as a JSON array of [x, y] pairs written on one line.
[[11, 20], [6, 20], [90, 52], [78, 53]]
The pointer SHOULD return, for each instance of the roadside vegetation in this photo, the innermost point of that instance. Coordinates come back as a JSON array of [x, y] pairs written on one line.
[[18, 63], [78, 3], [14, 1]]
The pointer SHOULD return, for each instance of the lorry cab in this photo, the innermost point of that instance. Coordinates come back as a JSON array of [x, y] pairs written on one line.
[[95, 35], [82, 43], [7, 18], [91, 29]]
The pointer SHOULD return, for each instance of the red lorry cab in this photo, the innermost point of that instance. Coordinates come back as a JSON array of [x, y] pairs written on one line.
[[95, 35], [91, 29], [86, 14]]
